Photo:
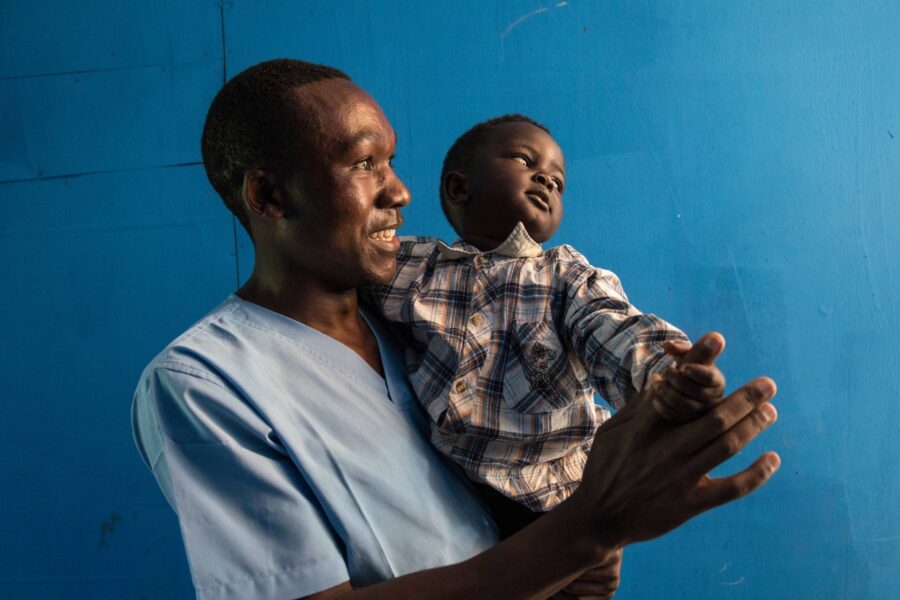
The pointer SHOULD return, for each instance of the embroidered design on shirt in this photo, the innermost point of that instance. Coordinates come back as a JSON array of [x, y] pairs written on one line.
[[539, 360]]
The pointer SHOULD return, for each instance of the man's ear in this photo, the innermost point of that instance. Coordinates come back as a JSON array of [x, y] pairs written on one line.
[[456, 187], [262, 196]]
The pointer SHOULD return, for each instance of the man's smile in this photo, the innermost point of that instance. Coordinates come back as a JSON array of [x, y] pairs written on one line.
[[384, 234], [386, 238]]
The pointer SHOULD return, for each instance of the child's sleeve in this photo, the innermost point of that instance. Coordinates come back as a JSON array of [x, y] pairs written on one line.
[[618, 345]]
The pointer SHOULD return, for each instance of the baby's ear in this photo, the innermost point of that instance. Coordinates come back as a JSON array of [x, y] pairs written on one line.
[[456, 188]]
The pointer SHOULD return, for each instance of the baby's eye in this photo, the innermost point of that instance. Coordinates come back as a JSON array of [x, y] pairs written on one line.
[[521, 159]]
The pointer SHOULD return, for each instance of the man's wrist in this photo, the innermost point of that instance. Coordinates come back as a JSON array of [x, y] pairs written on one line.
[[589, 541]]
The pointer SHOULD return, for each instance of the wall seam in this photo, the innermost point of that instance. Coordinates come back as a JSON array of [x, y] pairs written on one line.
[[234, 231]]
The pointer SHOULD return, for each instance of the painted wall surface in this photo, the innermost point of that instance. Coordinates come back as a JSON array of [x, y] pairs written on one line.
[[736, 163]]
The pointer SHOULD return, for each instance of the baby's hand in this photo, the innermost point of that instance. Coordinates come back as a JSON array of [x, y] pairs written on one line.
[[695, 384]]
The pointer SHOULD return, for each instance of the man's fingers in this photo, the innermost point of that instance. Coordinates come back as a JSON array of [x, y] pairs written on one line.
[[599, 582], [612, 561], [728, 413], [732, 441], [601, 594], [718, 491], [705, 351]]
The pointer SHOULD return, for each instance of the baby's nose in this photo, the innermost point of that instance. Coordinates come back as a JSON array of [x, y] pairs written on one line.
[[545, 180]]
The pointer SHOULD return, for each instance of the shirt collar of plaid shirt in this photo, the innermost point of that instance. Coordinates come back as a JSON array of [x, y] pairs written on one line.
[[518, 245]]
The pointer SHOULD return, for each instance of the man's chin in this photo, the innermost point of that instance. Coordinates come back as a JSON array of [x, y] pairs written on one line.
[[383, 274]]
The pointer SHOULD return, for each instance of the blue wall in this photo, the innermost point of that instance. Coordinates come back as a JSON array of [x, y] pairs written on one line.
[[736, 163]]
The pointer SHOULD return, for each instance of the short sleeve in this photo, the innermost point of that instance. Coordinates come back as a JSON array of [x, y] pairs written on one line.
[[251, 525]]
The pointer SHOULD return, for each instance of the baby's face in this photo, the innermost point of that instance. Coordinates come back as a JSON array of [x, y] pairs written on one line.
[[518, 174]]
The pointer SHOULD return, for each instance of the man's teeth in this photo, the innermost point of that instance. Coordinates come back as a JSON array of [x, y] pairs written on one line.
[[386, 235]]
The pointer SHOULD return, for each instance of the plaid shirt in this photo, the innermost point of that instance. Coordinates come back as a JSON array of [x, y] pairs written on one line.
[[506, 349]]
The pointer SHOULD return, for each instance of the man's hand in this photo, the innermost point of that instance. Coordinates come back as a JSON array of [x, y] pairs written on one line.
[[599, 583], [645, 476], [694, 385]]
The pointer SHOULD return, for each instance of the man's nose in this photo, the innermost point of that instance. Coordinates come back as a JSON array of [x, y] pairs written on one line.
[[545, 180], [394, 193]]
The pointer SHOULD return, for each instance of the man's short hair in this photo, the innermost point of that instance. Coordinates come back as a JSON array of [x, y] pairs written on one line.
[[459, 154], [250, 124]]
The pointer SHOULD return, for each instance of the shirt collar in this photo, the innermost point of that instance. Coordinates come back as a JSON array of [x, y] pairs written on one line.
[[518, 245]]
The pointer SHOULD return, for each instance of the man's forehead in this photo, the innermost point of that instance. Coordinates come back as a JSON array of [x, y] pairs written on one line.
[[343, 111]]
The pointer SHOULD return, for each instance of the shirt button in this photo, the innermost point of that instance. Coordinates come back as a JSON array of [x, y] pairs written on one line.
[[460, 387], [477, 320]]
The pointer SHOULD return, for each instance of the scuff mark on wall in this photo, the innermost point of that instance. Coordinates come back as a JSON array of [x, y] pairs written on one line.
[[521, 20], [740, 292], [518, 21], [107, 528]]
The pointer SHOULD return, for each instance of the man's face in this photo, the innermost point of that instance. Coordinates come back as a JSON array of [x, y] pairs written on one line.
[[341, 229], [518, 174]]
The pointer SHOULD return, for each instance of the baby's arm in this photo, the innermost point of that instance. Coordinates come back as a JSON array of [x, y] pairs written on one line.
[[619, 346], [695, 384]]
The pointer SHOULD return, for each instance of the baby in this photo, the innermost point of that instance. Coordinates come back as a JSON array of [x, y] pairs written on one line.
[[508, 341]]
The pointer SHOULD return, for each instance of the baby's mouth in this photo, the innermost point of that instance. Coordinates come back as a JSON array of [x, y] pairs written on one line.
[[539, 198]]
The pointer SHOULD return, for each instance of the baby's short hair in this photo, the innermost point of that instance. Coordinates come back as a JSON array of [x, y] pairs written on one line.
[[457, 158]]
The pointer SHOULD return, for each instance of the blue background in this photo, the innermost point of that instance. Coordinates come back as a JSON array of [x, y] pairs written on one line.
[[736, 163]]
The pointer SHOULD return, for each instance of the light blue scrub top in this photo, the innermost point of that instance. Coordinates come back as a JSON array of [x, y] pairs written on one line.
[[292, 465]]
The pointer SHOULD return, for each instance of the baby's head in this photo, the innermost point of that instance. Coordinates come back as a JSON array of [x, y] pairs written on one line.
[[499, 172]]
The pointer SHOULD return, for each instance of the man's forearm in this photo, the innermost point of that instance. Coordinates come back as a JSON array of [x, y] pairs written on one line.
[[532, 564]]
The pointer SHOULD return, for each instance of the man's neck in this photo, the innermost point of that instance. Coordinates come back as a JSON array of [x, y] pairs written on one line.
[[332, 312], [301, 299]]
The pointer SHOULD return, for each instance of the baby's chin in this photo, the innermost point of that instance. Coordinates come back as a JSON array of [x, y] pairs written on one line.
[[540, 232]]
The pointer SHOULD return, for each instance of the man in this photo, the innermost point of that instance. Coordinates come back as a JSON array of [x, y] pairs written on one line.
[[281, 428]]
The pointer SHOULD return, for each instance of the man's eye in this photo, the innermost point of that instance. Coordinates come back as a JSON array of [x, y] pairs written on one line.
[[367, 164]]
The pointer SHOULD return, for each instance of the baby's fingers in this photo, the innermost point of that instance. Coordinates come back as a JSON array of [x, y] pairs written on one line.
[[705, 351], [672, 405], [700, 382], [676, 349]]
